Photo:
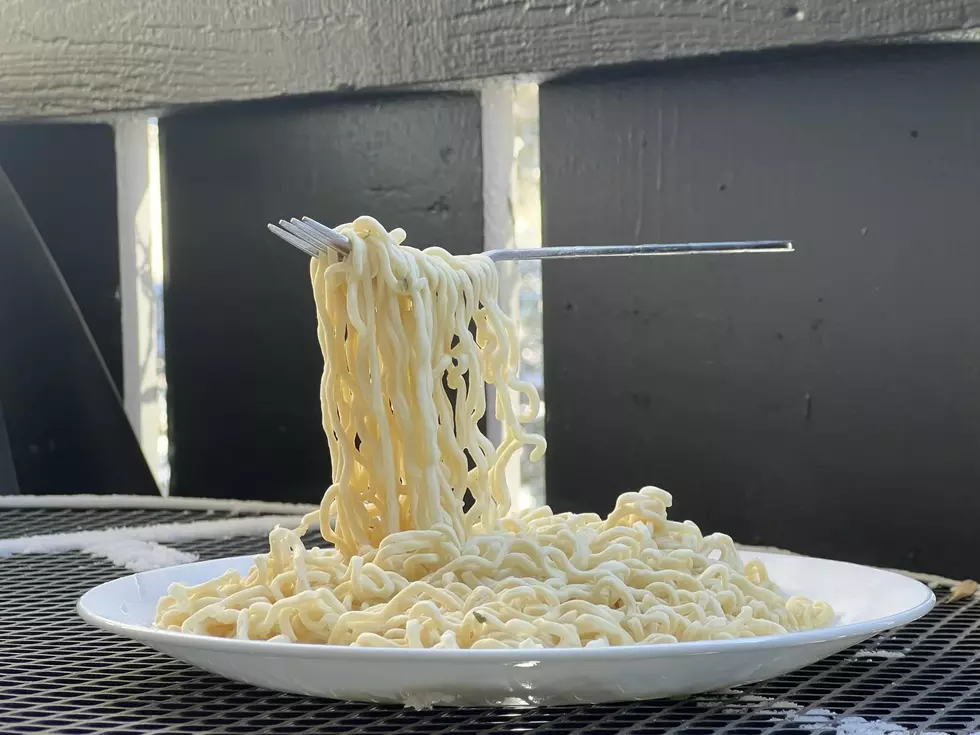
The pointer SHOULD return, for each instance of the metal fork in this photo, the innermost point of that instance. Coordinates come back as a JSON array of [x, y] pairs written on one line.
[[315, 238]]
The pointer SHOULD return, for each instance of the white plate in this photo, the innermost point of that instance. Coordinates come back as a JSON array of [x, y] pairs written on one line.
[[867, 601]]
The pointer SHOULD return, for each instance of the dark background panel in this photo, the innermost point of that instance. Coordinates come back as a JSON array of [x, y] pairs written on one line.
[[65, 175], [64, 419], [828, 400], [243, 363], [8, 472]]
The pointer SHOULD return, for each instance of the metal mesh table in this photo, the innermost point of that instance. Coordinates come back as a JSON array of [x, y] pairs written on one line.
[[59, 675]]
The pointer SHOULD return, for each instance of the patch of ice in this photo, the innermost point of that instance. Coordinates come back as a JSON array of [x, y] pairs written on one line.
[[861, 726], [879, 653], [751, 702], [160, 533], [427, 700], [711, 702], [825, 719], [785, 704], [808, 718], [813, 719], [140, 556]]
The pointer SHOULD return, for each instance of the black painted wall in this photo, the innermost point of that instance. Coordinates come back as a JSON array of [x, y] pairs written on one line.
[[827, 401], [65, 175], [62, 415], [64, 428], [8, 472], [243, 363]]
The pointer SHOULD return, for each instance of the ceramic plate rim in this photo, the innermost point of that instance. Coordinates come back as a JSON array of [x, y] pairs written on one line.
[[862, 629]]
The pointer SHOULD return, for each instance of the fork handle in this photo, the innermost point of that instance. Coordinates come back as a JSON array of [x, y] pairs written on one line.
[[604, 251]]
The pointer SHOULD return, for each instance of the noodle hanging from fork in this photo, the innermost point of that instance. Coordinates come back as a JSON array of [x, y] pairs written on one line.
[[410, 338]]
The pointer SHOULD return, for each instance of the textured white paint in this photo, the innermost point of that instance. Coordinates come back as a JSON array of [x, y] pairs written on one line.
[[89, 56]]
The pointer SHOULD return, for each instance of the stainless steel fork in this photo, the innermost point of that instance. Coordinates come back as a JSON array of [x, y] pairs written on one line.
[[315, 238]]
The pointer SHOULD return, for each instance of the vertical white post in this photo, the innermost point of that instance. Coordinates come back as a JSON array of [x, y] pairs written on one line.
[[140, 279], [512, 218], [497, 131]]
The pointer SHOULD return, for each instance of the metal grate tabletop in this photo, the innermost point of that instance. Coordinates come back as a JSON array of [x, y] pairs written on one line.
[[16, 522], [58, 675]]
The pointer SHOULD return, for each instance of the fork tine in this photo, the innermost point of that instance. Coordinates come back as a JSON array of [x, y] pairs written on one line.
[[335, 238], [296, 242], [312, 234], [303, 235], [317, 236]]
